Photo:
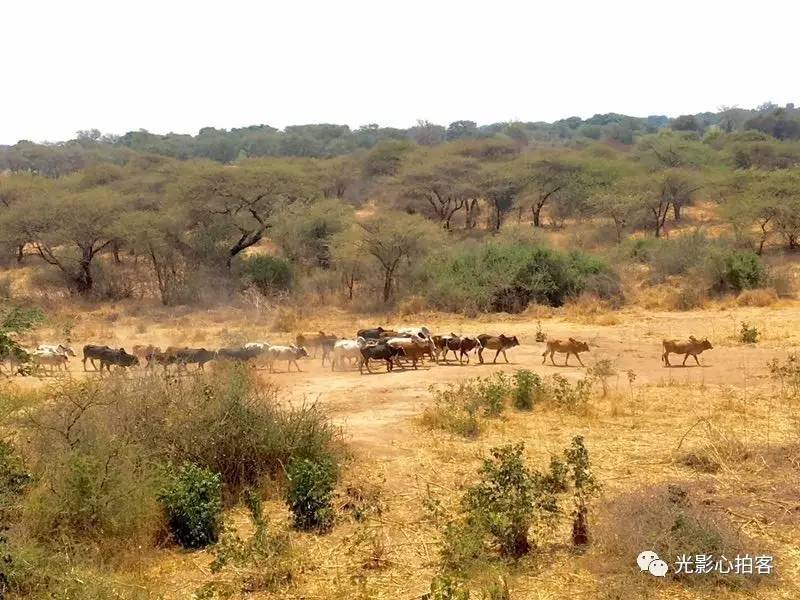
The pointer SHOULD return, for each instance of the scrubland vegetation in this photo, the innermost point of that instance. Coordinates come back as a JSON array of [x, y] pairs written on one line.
[[461, 219], [451, 481]]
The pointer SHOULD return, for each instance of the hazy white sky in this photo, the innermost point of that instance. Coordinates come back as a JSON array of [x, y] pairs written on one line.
[[178, 65]]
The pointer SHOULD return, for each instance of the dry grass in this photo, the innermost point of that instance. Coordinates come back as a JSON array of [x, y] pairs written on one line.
[[759, 297]]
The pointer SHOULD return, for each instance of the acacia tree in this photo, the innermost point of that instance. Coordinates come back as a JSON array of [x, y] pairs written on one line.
[[234, 204], [16, 192], [547, 180], [778, 194], [68, 230], [391, 238], [445, 184], [501, 185]]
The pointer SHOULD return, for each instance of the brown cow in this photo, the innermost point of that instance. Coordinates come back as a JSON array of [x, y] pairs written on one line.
[[501, 343], [146, 353], [692, 347], [571, 346], [313, 341]]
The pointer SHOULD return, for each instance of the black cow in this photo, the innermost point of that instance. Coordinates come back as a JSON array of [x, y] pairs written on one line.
[[378, 352], [370, 334], [239, 354], [120, 358], [196, 356], [92, 352]]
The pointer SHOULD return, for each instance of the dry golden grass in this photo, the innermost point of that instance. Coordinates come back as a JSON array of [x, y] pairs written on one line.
[[716, 426]]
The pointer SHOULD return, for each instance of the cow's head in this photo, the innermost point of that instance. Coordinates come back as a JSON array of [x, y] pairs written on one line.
[[66, 350], [513, 341], [580, 346], [300, 352], [706, 345]]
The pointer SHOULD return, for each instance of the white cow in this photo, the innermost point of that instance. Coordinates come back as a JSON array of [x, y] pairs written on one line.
[[288, 353], [420, 331], [56, 349], [260, 346], [349, 349]]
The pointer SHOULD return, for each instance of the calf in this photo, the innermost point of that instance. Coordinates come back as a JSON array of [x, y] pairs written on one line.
[[288, 353], [571, 346], [692, 347], [501, 343], [40, 358], [378, 352]]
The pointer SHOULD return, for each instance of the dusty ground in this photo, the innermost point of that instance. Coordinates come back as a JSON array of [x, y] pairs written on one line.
[[633, 437]]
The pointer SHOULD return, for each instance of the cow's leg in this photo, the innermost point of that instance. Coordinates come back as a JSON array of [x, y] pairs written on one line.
[[296, 366], [566, 360], [578, 356], [695, 359], [684, 359], [552, 357], [666, 358], [505, 355], [494, 362]]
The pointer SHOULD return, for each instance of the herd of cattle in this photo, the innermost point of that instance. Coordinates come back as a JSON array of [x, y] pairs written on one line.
[[396, 347]]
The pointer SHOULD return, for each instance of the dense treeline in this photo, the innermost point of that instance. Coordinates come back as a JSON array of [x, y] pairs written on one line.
[[328, 140], [380, 221]]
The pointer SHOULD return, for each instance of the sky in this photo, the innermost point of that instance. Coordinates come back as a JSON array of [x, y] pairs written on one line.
[[176, 65]]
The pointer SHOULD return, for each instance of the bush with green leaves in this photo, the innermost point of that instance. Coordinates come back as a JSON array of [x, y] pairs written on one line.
[[585, 486], [748, 334], [510, 500], [734, 270], [261, 562], [459, 408], [14, 477], [529, 388], [269, 274], [15, 321], [507, 277], [310, 488], [192, 501], [569, 397]]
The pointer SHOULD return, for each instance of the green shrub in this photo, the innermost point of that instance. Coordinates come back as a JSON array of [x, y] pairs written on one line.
[[310, 486], [458, 408], [510, 499], [572, 398], [491, 393], [445, 587], [267, 273], [748, 334], [507, 277], [191, 497], [263, 562], [734, 270], [528, 389], [585, 487], [225, 421]]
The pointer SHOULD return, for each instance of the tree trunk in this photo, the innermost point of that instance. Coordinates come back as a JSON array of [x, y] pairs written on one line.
[[536, 212], [676, 211], [387, 285]]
